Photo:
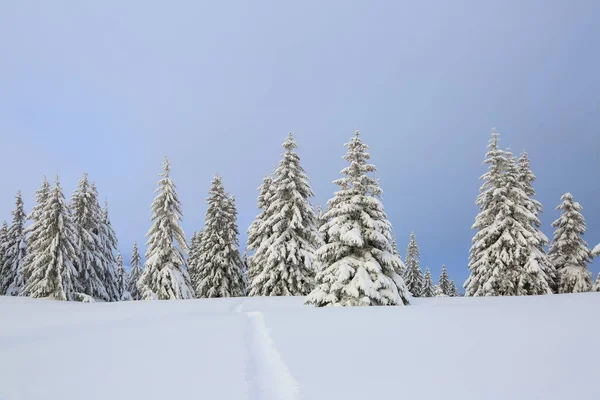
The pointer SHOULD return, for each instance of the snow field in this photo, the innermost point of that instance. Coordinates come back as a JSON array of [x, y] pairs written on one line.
[[538, 347]]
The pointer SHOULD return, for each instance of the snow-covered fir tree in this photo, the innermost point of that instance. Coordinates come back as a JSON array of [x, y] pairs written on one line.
[[401, 269], [437, 292], [526, 179], [413, 275], [108, 243], [503, 260], [596, 287], [89, 262], [235, 249], [135, 273], [245, 267], [444, 282], [51, 272], [358, 267], [164, 277], [3, 239], [122, 280], [192, 259], [219, 265], [428, 289], [319, 217], [568, 251], [286, 255], [41, 195], [258, 232], [15, 251], [452, 290], [36, 228]]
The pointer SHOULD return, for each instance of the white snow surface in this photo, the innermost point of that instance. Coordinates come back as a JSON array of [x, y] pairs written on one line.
[[538, 347]]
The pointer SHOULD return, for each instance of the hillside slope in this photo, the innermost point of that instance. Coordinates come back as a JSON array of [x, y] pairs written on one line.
[[276, 348]]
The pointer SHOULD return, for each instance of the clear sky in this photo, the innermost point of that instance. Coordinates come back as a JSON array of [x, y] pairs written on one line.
[[108, 87]]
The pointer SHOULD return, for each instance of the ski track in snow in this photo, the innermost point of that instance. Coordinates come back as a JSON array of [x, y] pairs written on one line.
[[267, 376]]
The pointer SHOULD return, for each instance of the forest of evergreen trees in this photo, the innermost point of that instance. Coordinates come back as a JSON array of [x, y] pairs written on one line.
[[343, 255]]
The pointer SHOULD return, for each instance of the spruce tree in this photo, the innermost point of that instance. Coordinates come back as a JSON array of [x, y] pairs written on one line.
[[164, 277], [401, 269], [14, 252], [358, 267], [503, 260], [108, 245], [3, 240], [219, 264], [444, 282], [319, 217], [526, 179], [569, 252], [452, 291], [427, 290], [90, 262], [245, 267], [122, 280], [51, 272], [287, 253], [36, 228], [258, 232], [437, 292], [135, 273], [596, 287], [413, 275], [192, 259]]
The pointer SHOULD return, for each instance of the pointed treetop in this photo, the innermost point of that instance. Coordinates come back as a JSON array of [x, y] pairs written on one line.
[[166, 167], [290, 143], [494, 139], [357, 133]]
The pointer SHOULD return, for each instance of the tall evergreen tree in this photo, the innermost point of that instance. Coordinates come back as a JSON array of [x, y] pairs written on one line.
[[192, 260], [14, 252], [287, 253], [319, 216], [245, 267], [596, 287], [502, 259], [52, 272], [108, 245], [90, 262], [452, 291], [35, 230], [164, 277], [526, 179], [401, 268], [219, 261], [444, 282], [358, 265], [569, 252], [427, 290], [259, 231], [3, 240], [135, 273], [413, 275], [122, 280]]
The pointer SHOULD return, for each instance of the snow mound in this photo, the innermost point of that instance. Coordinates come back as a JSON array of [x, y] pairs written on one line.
[[539, 347]]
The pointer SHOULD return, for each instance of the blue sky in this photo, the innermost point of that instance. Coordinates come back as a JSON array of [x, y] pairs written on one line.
[[109, 87]]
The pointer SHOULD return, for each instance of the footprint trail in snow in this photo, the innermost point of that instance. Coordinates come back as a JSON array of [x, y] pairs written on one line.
[[267, 375]]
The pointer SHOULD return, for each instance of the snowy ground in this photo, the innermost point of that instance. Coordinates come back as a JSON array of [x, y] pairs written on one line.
[[543, 347]]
